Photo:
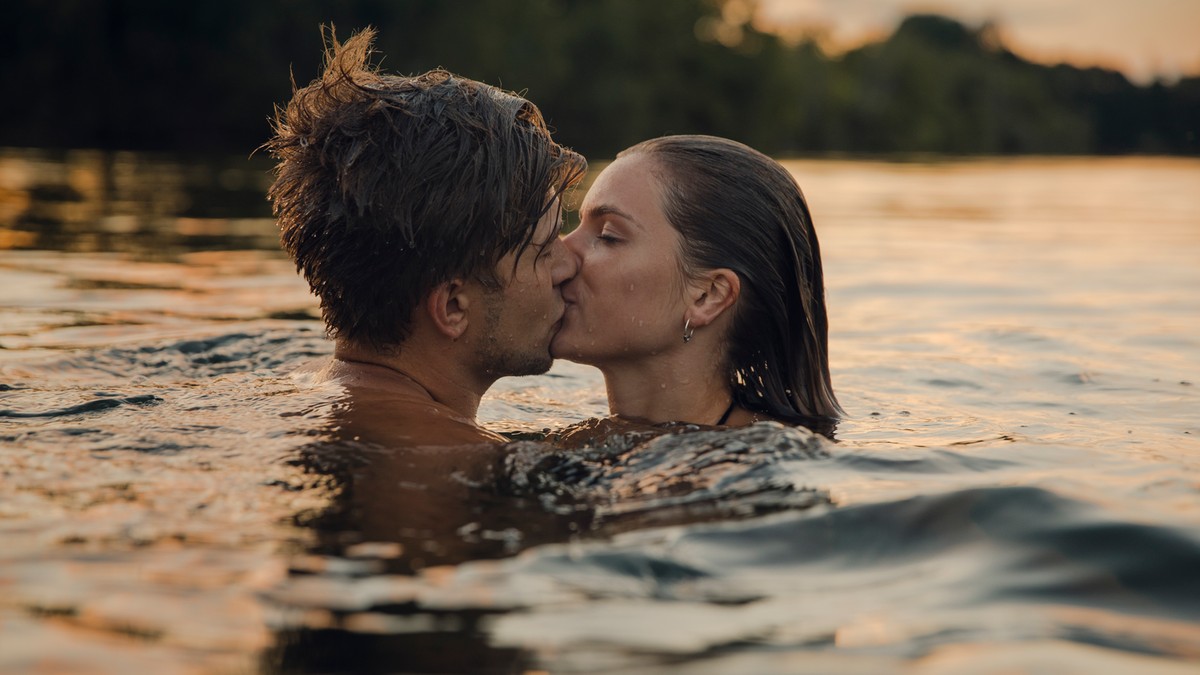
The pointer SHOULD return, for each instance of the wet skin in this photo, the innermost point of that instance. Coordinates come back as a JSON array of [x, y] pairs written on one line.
[[526, 315], [426, 391], [627, 301], [631, 304], [401, 436]]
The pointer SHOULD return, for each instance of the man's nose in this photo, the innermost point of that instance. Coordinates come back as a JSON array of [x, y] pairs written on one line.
[[566, 263]]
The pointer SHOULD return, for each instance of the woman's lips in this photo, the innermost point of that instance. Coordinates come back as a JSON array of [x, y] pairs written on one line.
[[567, 295], [563, 320]]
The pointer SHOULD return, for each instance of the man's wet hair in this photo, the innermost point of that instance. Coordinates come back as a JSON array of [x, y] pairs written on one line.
[[387, 186]]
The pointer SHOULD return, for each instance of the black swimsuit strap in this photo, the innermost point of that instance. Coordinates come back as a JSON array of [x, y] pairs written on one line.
[[728, 412]]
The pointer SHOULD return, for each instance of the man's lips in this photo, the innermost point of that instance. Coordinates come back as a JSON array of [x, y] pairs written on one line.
[[562, 317]]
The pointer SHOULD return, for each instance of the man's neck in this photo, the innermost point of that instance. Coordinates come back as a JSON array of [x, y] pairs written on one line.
[[418, 370]]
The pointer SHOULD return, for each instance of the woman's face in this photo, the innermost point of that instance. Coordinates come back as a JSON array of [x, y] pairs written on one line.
[[627, 301]]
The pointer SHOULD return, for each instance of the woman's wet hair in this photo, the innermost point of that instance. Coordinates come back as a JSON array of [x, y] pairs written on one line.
[[736, 208], [387, 186]]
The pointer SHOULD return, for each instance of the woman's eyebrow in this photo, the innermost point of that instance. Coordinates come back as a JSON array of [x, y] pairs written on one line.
[[607, 210]]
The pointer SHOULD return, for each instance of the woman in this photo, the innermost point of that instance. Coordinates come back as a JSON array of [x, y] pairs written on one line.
[[700, 293]]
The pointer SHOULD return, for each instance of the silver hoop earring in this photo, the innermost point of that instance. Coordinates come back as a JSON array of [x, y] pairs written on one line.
[[688, 331]]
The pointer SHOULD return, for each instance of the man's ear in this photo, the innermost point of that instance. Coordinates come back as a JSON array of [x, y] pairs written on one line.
[[448, 307], [714, 293]]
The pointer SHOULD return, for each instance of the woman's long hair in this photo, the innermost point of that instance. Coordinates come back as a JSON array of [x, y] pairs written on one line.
[[736, 208]]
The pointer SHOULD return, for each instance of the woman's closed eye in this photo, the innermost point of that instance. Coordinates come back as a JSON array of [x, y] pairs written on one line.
[[607, 236]]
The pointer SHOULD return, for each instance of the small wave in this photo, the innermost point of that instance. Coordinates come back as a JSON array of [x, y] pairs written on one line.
[[190, 360], [936, 462], [91, 406]]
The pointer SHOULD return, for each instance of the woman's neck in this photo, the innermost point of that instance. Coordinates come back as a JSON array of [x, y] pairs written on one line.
[[667, 390]]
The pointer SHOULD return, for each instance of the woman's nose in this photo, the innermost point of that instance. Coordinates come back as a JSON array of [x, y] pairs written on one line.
[[574, 242], [566, 263]]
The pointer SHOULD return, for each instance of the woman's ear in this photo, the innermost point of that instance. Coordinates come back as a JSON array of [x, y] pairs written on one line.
[[448, 306], [715, 292]]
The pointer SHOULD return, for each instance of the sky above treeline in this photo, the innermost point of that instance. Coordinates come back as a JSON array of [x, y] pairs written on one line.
[[1145, 39]]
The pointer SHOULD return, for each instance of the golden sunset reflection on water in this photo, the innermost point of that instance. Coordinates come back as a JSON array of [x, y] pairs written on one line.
[[1004, 332]]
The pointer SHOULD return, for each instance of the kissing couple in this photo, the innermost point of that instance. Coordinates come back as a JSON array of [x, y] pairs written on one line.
[[425, 213]]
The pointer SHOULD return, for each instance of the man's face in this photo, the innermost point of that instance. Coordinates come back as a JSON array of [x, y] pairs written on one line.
[[521, 319]]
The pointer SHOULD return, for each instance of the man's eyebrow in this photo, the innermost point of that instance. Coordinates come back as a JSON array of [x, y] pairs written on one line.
[[607, 210]]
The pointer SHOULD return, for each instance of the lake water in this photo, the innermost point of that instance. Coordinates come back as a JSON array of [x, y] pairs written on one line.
[[1015, 487]]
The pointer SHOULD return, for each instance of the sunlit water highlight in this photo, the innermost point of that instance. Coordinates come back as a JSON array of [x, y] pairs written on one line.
[[1015, 488]]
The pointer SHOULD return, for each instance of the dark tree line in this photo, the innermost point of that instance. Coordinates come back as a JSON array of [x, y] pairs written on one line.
[[204, 76]]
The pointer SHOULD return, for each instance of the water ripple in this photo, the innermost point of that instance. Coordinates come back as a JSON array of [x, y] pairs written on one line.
[[90, 406]]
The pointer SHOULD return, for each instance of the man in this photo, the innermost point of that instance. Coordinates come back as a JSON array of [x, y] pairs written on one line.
[[424, 213]]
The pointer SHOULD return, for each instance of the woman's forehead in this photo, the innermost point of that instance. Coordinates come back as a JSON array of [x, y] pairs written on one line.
[[627, 187]]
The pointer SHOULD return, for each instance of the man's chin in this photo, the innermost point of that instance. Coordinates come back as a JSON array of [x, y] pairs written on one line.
[[535, 362], [537, 366]]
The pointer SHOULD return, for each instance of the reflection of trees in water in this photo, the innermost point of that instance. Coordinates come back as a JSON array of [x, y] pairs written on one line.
[[118, 201], [398, 511], [461, 647], [442, 506]]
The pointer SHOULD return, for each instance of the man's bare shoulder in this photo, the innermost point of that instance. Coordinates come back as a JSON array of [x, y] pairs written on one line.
[[374, 407]]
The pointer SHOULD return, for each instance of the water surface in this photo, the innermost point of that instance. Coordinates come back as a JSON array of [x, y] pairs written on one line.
[[1017, 344]]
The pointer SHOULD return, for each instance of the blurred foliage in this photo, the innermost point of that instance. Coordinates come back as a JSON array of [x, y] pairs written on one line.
[[204, 76]]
